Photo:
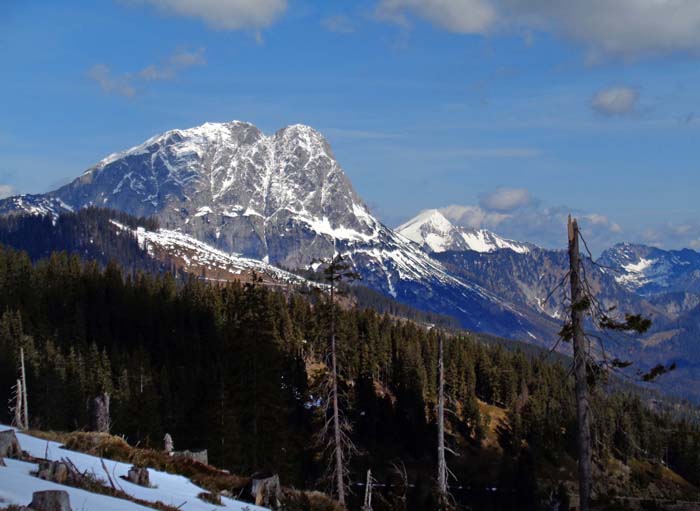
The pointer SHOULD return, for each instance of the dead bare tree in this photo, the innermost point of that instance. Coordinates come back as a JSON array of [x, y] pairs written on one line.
[[442, 464], [590, 356], [336, 429], [585, 467], [367, 505], [16, 405], [25, 405], [18, 401]]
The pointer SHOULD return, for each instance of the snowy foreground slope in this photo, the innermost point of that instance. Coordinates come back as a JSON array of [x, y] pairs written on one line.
[[17, 485]]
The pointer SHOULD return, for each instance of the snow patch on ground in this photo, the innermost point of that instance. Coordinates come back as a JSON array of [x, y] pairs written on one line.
[[17, 486]]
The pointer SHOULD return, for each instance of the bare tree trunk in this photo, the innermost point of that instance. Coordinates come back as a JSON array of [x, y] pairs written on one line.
[[339, 468], [100, 413], [25, 406], [442, 464], [580, 355], [19, 404], [367, 506]]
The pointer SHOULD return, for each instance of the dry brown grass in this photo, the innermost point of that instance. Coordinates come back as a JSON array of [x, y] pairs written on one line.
[[295, 500], [116, 448], [212, 479]]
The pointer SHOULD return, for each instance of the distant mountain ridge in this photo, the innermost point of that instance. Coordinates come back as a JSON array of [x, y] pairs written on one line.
[[281, 199], [227, 193]]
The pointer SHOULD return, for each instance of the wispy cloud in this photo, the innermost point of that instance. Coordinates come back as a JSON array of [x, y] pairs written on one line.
[[506, 199], [102, 75], [7, 191], [615, 101], [460, 16], [622, 28], [126, 84], [226, 14], [340, 24], [517, 214]]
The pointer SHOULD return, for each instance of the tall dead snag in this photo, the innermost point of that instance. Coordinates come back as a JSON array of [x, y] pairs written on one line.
[[367, 504], [100, 413], [442, 464], [336, 429], [25, 405], [578, 307], [591, 361], [19, 408]]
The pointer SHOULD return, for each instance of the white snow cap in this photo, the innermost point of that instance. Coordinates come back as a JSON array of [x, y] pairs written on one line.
[[434, 232]]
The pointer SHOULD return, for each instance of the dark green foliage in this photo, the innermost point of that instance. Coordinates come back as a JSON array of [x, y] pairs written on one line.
[[225, 368]]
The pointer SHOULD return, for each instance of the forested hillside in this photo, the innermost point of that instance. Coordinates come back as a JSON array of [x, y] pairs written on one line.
[[235, 369]]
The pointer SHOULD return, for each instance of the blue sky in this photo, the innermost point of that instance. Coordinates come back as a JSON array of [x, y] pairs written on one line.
[[506, 113]]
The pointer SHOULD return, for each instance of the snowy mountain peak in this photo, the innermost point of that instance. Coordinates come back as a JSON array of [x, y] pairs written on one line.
[[434, 232]]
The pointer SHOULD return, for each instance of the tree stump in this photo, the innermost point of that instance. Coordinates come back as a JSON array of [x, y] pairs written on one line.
[[2, 463], [55, 471], [169, 446], [9, 445], [139, 476], [50, 501], [266, 490], [100, 413]]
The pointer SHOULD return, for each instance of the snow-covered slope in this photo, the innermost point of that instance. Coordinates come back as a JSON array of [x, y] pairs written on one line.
[[200, 258], [435, 233], [649, 270], [282, 199], [17, 485]]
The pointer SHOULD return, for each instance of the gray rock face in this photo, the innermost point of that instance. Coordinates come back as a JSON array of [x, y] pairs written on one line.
[[230, 185], [283, 199]]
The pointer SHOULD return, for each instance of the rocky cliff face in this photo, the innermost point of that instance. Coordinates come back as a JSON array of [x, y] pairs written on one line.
[[282, 199]]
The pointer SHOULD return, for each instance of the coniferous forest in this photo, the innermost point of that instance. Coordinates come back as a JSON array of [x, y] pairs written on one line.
[[237, 369]]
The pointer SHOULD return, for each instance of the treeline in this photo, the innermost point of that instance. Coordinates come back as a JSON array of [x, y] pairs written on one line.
[[88, 233], [230, 368]]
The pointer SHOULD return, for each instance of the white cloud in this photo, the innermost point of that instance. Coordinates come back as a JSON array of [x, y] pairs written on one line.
[[177, 62], [101, 74], [460, 16], [227, 14], [617, 27], [615, 101], [670, 235], [7, 191], [506, 199], [515, 214], [627, 28], [474, 217], [126, 84], [339, 24]]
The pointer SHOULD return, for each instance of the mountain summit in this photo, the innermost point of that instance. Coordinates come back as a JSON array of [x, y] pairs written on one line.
[[435, 233], [282, 199]]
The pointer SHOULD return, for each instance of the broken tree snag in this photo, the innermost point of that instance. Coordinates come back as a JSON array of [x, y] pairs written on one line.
[[168, 446], [266, 490], [9, 445], [139, 476], [50, 501], [100, 413], [55, 471]]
